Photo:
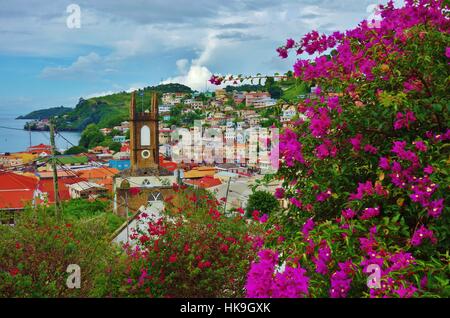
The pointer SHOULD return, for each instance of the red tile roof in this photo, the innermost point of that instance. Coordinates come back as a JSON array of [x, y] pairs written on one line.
[[16, 190], [40, 148], [46, 186], [205, 182], [168, 165]]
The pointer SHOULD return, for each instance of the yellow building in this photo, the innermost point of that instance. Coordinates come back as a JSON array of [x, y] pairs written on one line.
[[199, 172], [221, 94], [17, 159]]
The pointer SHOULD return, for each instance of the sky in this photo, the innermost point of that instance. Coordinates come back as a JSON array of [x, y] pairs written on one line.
[[47, 61]]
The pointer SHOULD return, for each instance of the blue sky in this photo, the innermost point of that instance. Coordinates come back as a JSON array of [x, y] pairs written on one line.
[[123, 45]]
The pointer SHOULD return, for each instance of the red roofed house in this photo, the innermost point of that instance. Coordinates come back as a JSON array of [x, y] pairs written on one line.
[[16, 191], [125, 147], [46, 190], [168, 165], [205, 182], [41, 150]]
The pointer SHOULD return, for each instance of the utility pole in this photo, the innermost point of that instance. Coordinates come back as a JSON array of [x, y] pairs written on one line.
[[55, 171], [226, 196]]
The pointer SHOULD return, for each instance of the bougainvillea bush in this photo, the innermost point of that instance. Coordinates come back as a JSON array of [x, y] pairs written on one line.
[[366, 170], [36, 253], [191, 250]]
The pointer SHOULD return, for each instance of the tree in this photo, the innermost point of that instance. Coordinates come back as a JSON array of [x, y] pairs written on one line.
[[91, 137], [75, 150], [115, 146], [271, 86], [275, 92], [262, 201]]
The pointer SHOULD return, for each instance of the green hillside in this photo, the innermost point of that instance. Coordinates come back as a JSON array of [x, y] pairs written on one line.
[[111, 110], [292, 90], [46, 113]]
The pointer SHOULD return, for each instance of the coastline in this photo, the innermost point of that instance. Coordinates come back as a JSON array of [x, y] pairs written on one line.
[[14, 138]]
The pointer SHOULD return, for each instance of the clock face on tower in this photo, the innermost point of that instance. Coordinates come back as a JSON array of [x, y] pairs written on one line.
[[145, 154]]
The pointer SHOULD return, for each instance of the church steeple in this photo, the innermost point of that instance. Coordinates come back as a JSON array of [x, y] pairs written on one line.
[[144, 139]]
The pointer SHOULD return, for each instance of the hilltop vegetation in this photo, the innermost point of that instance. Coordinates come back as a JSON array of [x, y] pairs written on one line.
[[46, 113], [111, 110]]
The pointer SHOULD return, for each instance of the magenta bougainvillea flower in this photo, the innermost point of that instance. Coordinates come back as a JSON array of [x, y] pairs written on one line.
[[263, 282], [369, 213], [404, 120], [421, 234], [291, 148], [356, 142], [296, 202], [323, 196], [279, 193], [307, 227]]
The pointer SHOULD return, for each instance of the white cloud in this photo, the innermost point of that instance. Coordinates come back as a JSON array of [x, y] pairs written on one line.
[[239, 36], [196, 78], [182, 65], [87, 64]]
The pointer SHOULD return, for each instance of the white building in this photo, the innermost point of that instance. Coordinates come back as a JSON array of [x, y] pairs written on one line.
[[288, 114], [164, 108], [88, 190]]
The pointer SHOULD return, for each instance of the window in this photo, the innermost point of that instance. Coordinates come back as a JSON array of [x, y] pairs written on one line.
[[145, 136]]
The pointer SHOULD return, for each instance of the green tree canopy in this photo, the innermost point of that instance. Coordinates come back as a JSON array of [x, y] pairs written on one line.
[[262, 201]]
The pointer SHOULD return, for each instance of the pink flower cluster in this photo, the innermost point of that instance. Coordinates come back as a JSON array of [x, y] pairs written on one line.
[[320, 122], [323, 196], [323, 258], [369, 213], [340, 280], [216, 80], [326, 149], [403, 120], [290, 148], [264, 282], [348, 63], [279, 193], [307, 227], [422, 188], [367, 189], [422, 233]]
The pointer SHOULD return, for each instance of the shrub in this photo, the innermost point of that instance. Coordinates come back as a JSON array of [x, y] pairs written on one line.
[[193, 250], [262, 201], [35, 254]]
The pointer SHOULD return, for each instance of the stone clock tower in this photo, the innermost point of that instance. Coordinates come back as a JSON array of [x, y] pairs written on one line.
[[144, 139], [150, 182]]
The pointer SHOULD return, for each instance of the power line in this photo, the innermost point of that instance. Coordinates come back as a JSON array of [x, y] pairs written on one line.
[[12, 128], [61, 165]]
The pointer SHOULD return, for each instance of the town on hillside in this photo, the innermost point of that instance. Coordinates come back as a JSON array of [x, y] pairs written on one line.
[[26, 177]]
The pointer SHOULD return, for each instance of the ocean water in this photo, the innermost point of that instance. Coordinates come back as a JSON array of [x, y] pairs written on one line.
[[19, 140]]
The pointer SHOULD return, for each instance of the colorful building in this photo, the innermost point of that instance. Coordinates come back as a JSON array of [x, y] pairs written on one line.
[[119, 164]]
